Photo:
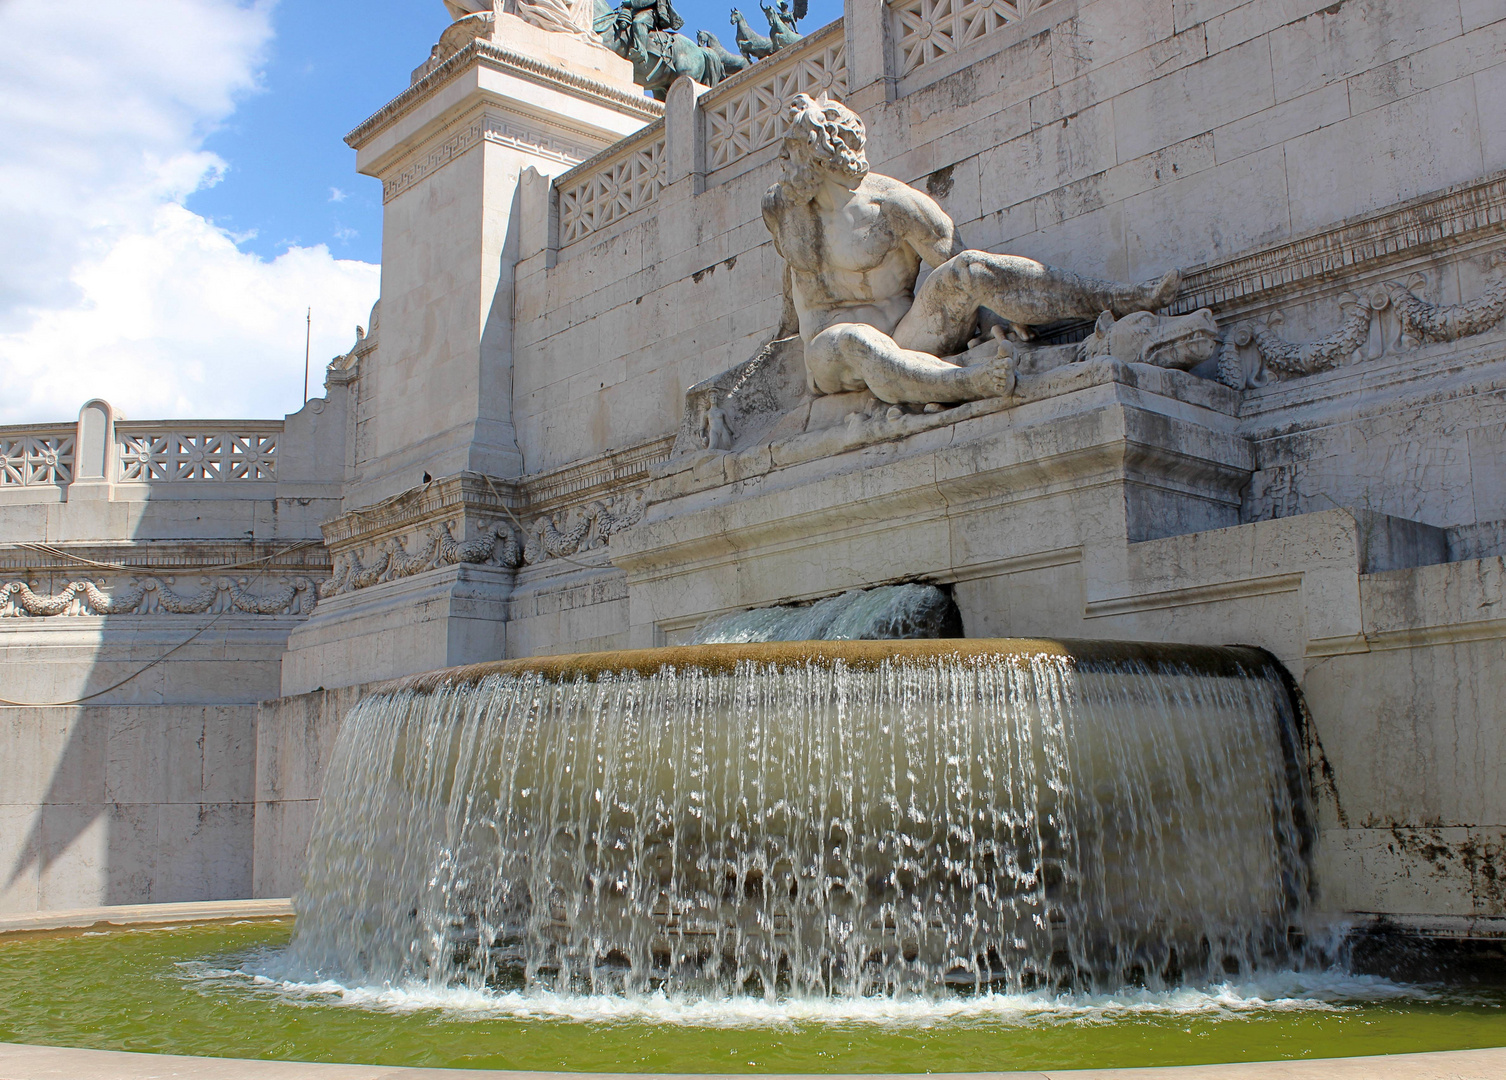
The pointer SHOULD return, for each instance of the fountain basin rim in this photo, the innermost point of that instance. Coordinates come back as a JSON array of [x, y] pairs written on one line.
[[117, 916], [725, 658], [36, 1062]]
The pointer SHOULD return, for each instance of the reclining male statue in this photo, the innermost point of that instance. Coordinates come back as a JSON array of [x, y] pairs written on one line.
[[853, 242]]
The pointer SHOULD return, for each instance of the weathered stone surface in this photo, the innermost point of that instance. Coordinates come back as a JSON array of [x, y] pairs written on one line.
[[1328, 484]]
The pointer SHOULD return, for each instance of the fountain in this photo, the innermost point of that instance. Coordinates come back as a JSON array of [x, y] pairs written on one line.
[[844, 819], [637, 366]]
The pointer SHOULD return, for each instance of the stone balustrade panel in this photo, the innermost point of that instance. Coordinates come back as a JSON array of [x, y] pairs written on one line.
[[611, 187], [157, 453], [36, 458], [750, 114], [925, 31]]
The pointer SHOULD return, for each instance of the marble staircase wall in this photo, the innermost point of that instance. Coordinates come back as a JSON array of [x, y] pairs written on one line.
[[125, 804], [128, 773]]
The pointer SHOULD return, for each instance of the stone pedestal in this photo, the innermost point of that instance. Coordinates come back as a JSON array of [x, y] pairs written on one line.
[[431, 387], [435, 392], [420, 581], [1115, 455]]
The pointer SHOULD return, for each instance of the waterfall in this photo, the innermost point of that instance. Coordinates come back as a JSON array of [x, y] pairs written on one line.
[[884, 613], [857, 819]]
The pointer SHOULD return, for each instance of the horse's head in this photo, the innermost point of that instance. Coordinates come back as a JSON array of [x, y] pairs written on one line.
[[703, 38]]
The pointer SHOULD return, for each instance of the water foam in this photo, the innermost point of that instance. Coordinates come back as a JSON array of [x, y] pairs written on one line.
[[1268, 993]]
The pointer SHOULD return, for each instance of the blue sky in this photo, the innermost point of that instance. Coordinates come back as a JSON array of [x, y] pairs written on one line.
[[330, 64], [175, 195], [291, 179]]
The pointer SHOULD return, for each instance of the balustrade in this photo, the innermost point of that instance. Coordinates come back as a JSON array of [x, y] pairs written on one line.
[[610, 186], [925, 31], [142, 452], [36, 457], [747, 112], [154, 453]]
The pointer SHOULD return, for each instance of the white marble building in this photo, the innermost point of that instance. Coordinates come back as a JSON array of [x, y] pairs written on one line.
[[507, 464]]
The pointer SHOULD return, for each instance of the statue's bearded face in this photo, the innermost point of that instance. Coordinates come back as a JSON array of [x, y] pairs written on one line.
[[802, 168], [825, 142]]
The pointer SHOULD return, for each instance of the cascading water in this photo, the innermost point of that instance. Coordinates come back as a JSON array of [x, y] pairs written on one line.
[[884, 613], [857, 819]]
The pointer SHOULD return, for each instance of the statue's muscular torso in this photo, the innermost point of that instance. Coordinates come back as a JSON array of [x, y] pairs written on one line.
[[857, 262]]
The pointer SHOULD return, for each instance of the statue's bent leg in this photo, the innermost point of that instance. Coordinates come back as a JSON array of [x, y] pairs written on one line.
[[1021, 290], [849, 356]]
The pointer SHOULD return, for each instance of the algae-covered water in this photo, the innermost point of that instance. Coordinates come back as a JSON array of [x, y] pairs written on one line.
[[199, 990]]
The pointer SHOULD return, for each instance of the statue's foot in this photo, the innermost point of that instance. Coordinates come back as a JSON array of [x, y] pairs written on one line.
[[1149, 295], [997, 377]]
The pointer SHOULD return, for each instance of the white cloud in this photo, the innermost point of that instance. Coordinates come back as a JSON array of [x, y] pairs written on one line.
[[109, 287], [336, 195]]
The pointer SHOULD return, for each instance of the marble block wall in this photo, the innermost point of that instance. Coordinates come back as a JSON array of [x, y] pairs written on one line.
[[1114, 137], [508, 482], [126, 805], [150, 574]]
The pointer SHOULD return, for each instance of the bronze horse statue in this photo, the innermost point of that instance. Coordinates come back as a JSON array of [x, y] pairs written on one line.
[[669, 54]]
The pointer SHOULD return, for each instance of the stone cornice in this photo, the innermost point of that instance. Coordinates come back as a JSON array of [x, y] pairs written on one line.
[[167, 556], [583, 481], [462, 491], [466, 134], [497, 56], [1417, 227], [623, 146], [542, 493]]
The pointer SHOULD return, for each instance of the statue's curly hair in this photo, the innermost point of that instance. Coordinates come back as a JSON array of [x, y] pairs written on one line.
[[833, 130]]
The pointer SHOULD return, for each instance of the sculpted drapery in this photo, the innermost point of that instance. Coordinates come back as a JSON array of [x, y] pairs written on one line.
[[558, 16]]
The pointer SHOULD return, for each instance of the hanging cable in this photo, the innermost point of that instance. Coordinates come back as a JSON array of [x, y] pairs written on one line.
[[63, 553], [135, 674]]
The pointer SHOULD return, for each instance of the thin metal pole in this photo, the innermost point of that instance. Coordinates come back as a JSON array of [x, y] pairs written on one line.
[[308, 331]]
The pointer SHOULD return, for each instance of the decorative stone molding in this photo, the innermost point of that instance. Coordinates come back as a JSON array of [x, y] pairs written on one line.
[[496, 546], [493, 55], [153, 596], [594, 478], [748, 112], [34, 458], [580, 529], [1421, 321], [454, 143], [470, 519], [602, 191], [1286, 359], [927, 30], [47, 580], [1429, 225], [153, 453], [1418, 321]]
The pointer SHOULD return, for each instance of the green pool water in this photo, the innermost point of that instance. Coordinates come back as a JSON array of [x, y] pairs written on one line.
[[194, 990]]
